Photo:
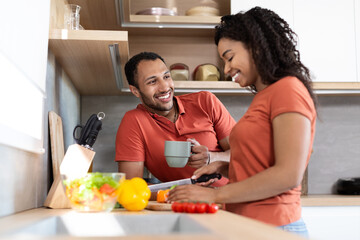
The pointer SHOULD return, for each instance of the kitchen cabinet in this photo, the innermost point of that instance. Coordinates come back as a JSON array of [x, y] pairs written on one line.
[[357, 35], [282, 7], [93, 59], [326, 41], [177, 40], [127, 13], [86, 58], [327, 38], [186, 39]]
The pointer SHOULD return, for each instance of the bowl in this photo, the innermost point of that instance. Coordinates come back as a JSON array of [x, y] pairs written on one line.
[[203, 11], [93, 192], [156, 11]]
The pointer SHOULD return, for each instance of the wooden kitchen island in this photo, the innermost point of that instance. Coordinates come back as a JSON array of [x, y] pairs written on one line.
[[222, 225]]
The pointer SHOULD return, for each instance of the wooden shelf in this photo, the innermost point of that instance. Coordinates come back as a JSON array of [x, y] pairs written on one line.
[[85, 57], [207, 85], [336, 85], [233, 85]]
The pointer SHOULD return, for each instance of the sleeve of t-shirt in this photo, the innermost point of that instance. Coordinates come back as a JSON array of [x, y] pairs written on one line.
[[221, 118], [291, 95], [129, 142]]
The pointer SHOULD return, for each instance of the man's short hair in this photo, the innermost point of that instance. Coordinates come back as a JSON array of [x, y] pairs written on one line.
[[131, 65]]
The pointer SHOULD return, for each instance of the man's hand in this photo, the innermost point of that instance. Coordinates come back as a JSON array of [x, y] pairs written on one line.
[[200, 154]]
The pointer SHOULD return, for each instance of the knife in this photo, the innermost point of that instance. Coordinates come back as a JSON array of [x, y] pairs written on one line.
[[202, 178]]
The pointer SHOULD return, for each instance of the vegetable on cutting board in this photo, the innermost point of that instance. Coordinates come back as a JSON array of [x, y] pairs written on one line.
[[162, 195]]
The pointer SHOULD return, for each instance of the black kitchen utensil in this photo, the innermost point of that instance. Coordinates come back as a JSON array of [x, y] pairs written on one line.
[[348, 186], [89, 131]]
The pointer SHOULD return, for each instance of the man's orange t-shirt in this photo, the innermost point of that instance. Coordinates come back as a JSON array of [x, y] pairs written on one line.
[[252, 150], [141, 135]]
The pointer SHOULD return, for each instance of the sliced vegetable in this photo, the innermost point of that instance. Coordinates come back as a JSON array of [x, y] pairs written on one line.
[[162, 196], [107, 189], [173, 186]]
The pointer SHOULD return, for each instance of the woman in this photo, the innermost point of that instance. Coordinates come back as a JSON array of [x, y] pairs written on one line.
[[271, 144]]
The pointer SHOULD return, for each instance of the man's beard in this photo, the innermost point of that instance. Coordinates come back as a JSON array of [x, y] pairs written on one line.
[[156, 107]]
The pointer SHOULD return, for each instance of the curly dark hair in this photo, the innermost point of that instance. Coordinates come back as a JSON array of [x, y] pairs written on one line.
[[131, 65], [272, 44]]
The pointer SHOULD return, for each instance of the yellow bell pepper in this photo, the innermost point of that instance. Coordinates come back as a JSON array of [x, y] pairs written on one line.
[[134, 194]]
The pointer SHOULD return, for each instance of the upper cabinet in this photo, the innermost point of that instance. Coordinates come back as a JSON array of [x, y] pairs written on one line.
[[93, 59], [326, 37], [357, 36], [185, 35], [282, 7], [115, 30], [327, 40], [172, 13]]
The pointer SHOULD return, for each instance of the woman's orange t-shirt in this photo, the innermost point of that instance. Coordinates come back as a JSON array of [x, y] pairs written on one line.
[[252, 150]]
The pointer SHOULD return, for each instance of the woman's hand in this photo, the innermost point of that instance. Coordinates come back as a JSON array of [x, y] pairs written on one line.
[[192, 193], [200, 154], [214, 167]]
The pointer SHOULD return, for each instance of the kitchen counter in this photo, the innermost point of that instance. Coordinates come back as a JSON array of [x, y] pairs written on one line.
[[222, 225], [330, 200]]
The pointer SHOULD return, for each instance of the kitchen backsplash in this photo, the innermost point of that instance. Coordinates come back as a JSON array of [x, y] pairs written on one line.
[[336, 147]]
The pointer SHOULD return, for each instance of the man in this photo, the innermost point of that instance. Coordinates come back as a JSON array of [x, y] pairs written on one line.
[[197, 117]]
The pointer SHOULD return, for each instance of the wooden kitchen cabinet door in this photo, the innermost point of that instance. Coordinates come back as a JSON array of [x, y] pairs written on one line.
[[326, 34]]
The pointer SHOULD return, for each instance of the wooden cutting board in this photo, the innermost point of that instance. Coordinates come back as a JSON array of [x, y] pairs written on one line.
[[56, 142], [155, 206], [56, 197]]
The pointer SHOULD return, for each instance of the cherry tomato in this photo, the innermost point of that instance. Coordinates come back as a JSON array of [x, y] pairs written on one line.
[[191, 207], [177, 207], [174, 206], [180, 207], [201, 207], [184, 206], [212, 208]]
